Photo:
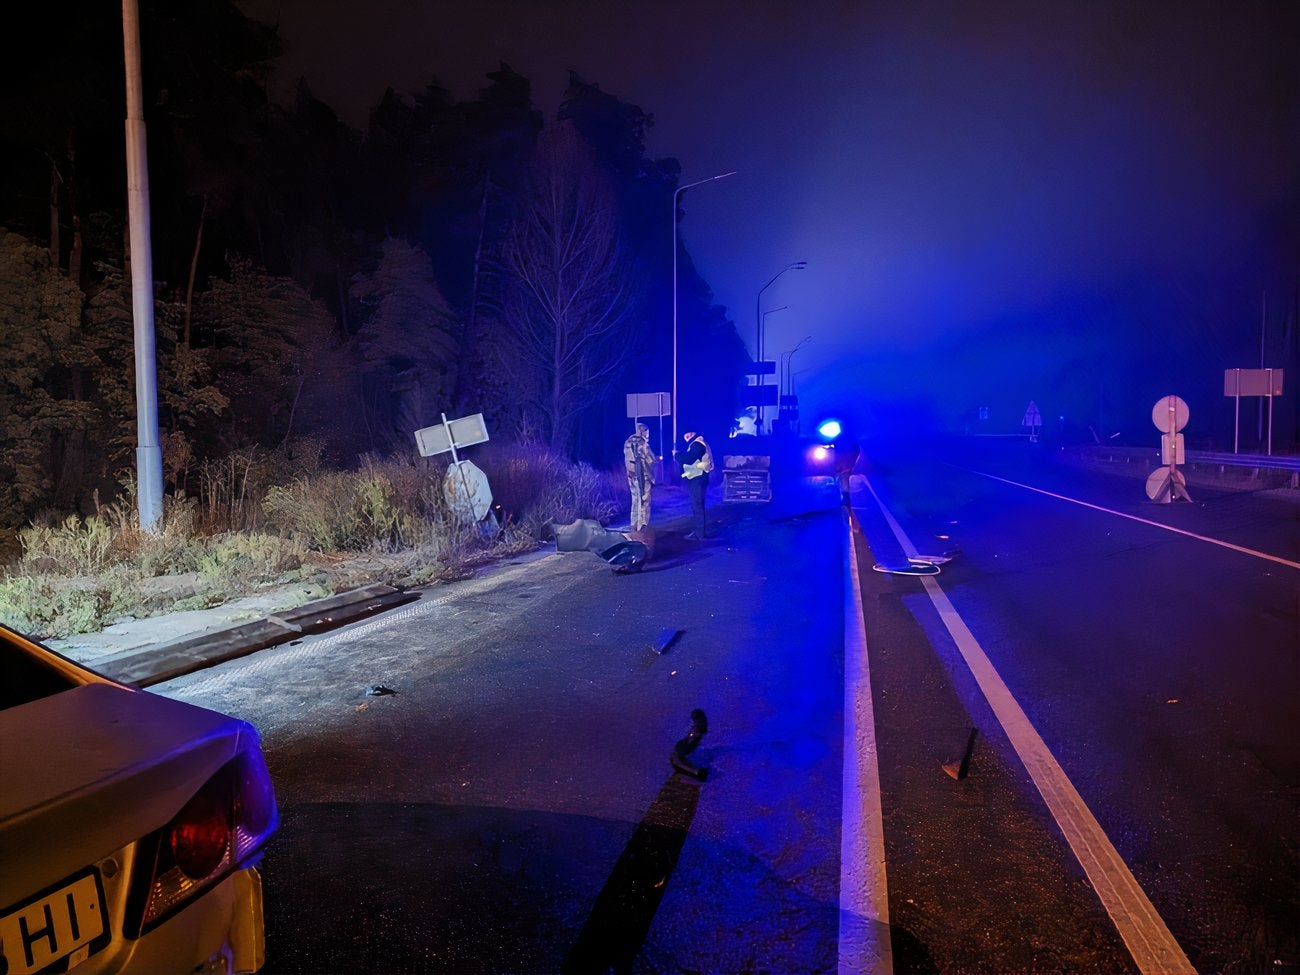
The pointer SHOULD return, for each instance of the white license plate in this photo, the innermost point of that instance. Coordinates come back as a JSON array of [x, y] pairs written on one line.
[[55, 925]]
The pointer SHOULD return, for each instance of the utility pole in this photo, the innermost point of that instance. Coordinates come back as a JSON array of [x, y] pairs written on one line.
[[676, 194], [148, 454]]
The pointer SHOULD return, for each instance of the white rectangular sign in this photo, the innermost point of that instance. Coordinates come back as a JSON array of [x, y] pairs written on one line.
[[1252, 382], [649, 404], [465, 432]]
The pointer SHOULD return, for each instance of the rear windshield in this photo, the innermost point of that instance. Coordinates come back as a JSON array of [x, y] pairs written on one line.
[[29, 671]]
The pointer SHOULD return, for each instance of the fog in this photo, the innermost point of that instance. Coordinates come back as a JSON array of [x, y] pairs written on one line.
[[1090, 204]]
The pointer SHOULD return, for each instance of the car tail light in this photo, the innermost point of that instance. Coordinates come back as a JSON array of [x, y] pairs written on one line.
[[215, 833], [200, 835]]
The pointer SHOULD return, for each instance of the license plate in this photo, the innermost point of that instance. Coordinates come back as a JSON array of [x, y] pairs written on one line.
[[53, 926]]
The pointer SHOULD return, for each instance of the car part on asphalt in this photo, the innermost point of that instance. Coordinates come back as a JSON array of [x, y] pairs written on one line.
[[677, 757], [619, 549]]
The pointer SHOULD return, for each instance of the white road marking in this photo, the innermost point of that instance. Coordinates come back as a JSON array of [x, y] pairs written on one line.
[[1144, 932], [1155, 524], [864, 941]]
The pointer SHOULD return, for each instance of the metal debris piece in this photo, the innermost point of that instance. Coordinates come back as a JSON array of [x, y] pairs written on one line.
[[664, 640], [677, 757], [958, 770]]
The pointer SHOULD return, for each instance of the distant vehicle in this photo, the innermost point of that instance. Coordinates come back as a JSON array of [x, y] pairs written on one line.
[[130, 825]]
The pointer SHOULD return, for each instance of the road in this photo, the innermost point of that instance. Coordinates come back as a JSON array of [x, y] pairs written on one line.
[[512, 808], [1160, 669]]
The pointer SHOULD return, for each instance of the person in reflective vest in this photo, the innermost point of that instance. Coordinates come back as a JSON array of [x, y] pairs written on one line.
[[639, 463], [697, 460]]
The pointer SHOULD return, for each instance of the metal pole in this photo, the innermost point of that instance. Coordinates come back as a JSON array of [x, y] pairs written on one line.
[[148, 454], [1270, 412], [1263, 329], [758, 339], [789, 366], [1236, 422], [677, 193]]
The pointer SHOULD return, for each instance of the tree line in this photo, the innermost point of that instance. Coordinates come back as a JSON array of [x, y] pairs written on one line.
[[317, 282]]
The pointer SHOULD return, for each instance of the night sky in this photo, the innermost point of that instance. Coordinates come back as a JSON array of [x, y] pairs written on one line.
[[1090, 204]]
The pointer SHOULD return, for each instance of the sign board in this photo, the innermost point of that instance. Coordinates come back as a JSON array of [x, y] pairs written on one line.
[[1171, 449], [467, 492], [649, 404], [1252, 382], [758, 395], [1169, 414], [765, 368], [464, 432]]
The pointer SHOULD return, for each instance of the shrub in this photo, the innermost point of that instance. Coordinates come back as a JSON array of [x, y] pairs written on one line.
[[536, 488], [344, 511], [78, 575]]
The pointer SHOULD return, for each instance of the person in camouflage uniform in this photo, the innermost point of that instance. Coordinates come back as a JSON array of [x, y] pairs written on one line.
[[639, 463]]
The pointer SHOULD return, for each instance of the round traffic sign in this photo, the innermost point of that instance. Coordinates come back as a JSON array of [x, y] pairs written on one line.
[[467, 491], [1169, 414], [1163, 483]]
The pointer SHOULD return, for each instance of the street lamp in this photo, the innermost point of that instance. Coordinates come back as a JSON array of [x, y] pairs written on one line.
[[148, 452], [789, 366], [758, 315], [677, 193]]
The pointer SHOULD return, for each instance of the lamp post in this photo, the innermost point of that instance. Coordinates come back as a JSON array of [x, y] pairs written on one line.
[[677, 193], [789, 366], [758, 314], [148, 453]]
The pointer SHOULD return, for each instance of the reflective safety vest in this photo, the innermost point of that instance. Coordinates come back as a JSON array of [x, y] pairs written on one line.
[[701, 466]]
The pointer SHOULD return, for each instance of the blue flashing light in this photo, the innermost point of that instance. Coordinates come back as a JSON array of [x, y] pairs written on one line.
[[829, 429]]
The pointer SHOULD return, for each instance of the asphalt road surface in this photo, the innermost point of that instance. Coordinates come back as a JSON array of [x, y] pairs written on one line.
[[512, 807], [1128, 801], [1154, 650]]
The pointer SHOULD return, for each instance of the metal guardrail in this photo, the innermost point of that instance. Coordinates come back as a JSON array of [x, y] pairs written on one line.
[[1254, 462], [1270, 461]]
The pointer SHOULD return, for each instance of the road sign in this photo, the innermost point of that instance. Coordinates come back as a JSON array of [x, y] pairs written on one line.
[[1252, 382], [1171, 449], [1033, 420], [758, 395], [1167, 483], [467, 492], [448, 435], [649, 404], [1169, 414], [1164, 484]]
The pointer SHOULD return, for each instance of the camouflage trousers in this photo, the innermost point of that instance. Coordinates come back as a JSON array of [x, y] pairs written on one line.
[[640, 516]]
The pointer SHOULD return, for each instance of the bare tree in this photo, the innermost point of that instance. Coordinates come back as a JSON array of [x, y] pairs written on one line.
[[569, 303]]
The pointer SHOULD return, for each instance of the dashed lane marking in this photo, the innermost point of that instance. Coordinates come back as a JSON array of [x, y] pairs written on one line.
[[864, 939], [1144, 932]]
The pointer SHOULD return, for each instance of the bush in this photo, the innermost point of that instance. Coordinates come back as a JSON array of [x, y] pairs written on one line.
[[79, 575], [536, 488], [344, 511]]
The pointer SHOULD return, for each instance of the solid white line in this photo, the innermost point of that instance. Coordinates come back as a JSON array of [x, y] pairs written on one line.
[[1148, 939], [1156, 524], [864, 943]]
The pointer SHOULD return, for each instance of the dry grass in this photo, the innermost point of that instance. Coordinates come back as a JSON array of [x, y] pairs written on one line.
[[385, 522]]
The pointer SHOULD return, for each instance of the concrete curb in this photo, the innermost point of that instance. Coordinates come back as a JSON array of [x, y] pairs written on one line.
[[156, 664]]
